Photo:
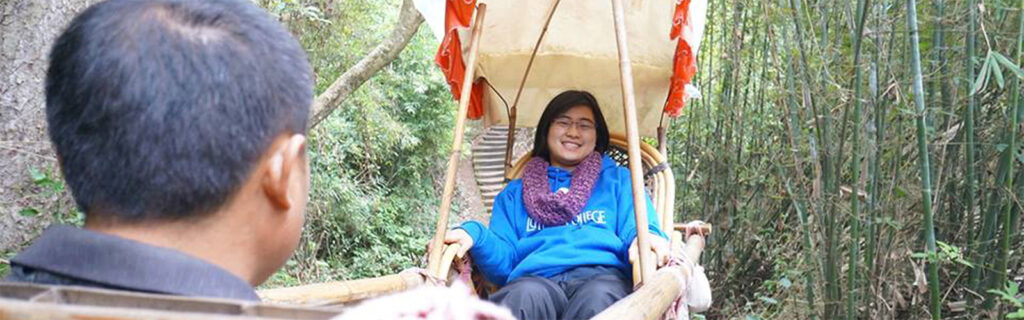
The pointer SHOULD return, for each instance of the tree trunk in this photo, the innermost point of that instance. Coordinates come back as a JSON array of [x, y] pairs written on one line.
[[27, 30], [409, 21]]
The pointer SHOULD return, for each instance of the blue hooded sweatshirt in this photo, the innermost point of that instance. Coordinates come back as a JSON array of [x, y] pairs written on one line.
[[515, 245]]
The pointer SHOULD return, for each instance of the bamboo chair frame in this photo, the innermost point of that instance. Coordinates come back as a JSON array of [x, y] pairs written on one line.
[[660, 184]]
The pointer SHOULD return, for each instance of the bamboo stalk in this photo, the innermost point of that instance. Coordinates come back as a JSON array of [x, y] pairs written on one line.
[[1015, 219], [863, 7], [437, 243], [822, 121], [800, 204], [971, 179], [633, 135], [998, 280], [922, 145], [876, 162]]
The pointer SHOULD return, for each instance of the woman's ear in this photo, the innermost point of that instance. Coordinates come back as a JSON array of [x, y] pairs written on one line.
[[285, 155]]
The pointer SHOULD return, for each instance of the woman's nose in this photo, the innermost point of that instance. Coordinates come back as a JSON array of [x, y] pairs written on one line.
[[573, 130]]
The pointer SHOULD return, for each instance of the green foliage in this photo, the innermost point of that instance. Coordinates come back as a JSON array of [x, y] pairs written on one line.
[[779, 95], [1011, 295], [946, 254], [373, 161], [5, 265], [294, 8], [51, 189], [991, 69]]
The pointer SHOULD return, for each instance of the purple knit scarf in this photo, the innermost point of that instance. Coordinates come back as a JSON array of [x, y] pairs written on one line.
[[558, 208]]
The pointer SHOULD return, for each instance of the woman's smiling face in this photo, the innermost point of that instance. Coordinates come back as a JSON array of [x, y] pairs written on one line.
[[572, 137]]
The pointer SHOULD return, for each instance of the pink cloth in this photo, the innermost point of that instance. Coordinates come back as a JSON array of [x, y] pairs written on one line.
[[430, 302]]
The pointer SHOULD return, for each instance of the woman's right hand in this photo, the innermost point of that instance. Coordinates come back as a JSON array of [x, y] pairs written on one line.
[[462, 238]]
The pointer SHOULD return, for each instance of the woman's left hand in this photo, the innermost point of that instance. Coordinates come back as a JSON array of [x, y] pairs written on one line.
[[659, 245]]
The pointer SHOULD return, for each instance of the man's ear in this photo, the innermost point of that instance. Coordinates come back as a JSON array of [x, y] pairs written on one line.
[[286, 153]]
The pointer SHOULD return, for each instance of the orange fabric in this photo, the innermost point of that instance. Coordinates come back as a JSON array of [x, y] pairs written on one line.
[[679, 18], [449, 55], [684, 64]]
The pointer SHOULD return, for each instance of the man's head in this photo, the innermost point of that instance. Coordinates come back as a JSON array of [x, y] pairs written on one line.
[[173, 111]]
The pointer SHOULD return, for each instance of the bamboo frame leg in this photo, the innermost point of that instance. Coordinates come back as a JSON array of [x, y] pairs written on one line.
[[437, 243], [633, 135]]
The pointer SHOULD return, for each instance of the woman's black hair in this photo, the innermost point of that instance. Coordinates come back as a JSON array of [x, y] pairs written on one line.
[[559, 106]]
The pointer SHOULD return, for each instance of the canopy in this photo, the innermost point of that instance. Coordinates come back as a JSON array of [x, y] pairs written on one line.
[[577, 52]]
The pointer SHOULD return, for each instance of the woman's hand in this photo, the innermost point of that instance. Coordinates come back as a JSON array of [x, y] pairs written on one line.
[[659, 245], [457, 236]]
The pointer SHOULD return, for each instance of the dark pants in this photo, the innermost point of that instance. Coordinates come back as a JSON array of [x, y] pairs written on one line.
[[580, 293]]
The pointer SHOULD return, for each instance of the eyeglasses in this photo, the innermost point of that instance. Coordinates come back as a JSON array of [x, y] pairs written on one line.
[[581, 125]]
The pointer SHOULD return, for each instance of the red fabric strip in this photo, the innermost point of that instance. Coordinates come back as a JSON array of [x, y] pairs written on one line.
[[684, 63], [449, 55]]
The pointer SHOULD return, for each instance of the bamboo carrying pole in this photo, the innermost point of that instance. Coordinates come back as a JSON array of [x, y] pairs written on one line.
[[437, 243], [510, 142], [635, 168], [333, 293], [651, 301]]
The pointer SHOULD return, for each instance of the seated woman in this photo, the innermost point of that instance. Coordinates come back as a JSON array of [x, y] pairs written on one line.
[[560, 238]]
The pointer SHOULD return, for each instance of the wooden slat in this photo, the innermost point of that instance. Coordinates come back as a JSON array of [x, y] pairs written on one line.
[[34, 301]]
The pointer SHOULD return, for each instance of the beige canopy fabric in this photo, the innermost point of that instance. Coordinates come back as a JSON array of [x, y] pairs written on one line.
[[578, 52]]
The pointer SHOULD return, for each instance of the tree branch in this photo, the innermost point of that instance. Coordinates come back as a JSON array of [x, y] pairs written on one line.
[[409, 21]]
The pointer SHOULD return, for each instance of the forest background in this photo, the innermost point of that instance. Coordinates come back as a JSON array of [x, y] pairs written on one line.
[[805, 151]]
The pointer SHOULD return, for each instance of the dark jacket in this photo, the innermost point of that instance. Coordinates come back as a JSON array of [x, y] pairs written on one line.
[[65, 255]]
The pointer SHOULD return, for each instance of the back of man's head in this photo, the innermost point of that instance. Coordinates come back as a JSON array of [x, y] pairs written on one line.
[[159, 109]]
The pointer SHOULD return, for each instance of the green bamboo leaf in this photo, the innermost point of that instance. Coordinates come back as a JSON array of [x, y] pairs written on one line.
[[982, 79], [1009, 64], [998, 72], [1001, 293]]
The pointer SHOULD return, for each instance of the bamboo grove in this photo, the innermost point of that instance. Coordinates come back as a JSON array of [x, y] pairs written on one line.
[[860, 159]]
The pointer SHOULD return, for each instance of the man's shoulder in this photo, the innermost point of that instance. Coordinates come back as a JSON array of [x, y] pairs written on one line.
[[65, 255], [21, 273]]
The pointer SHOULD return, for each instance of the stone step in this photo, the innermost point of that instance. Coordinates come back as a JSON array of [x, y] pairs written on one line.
[[489, 174], [499, 154]]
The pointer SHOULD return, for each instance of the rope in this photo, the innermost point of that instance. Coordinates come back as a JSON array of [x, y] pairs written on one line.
[[655, 170], [428, 278], [678, 308]]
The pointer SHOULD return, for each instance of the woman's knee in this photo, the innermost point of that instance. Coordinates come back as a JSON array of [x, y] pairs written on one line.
[[595, 295], [604, 287], [532, 298]]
